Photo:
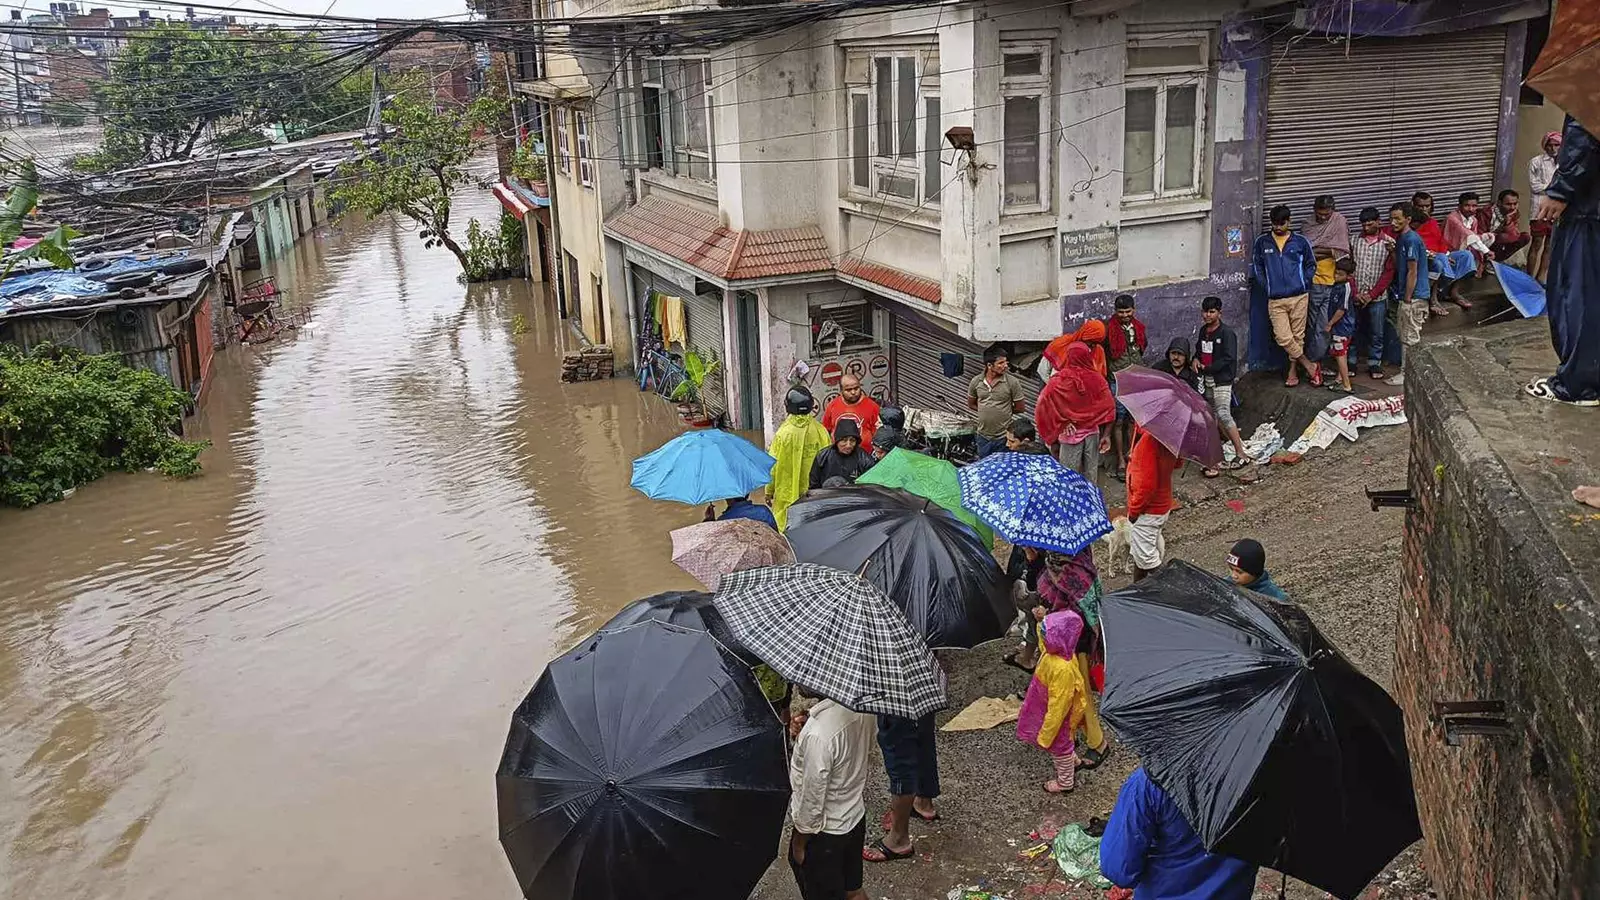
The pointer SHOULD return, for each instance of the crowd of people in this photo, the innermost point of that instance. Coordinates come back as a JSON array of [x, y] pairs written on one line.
[[1328, 290], [1057, 597]]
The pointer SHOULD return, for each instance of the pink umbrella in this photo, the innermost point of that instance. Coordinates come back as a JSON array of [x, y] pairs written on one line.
[[711, 550], [1174, 413]]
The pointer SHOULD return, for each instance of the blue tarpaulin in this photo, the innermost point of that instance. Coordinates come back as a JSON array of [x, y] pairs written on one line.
[[46, 287]]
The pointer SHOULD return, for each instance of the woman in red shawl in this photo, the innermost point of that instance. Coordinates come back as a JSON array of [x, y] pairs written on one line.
[[1092, 334], [1074, 410]]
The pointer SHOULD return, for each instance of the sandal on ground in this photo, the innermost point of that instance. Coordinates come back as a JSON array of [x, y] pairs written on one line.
[[1239, 462], [1054, 787], [1338, 388], [1540, 388], [1294, 383], [1462, 302], [1090, 759], [1211, 473], [1316, 379], [884, 854], [1377, 374], [1011, 660]]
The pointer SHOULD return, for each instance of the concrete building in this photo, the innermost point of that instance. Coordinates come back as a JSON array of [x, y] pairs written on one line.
[[886, 193], [557, 114]]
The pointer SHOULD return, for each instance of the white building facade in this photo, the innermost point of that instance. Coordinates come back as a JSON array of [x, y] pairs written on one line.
[[886, 192]]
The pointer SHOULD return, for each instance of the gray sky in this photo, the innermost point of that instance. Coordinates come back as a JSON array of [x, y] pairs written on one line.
[[365, 9]]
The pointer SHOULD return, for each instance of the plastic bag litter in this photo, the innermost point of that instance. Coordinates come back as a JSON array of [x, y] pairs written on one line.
[[1078, 855], [1263, 442]]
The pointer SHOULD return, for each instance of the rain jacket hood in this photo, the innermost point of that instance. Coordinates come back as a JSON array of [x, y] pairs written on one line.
[[1058, 697], [1181, 345]]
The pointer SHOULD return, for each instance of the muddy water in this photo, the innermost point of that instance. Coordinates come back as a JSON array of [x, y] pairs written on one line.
[[291, 676]]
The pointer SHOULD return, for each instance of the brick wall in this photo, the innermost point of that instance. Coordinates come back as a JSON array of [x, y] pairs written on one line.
[[1498, 603]]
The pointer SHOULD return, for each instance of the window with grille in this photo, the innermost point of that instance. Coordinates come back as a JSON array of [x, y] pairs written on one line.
[[852, 329]]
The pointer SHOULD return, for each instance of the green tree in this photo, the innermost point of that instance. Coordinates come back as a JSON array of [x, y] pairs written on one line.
[[21, 200], [415, 170], [174, 83]]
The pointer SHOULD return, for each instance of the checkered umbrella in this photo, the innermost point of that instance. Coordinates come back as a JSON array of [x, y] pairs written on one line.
[[835, 635], [1034, 501]]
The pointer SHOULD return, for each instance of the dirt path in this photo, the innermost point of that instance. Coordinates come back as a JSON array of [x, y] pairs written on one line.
[[1327, 549]]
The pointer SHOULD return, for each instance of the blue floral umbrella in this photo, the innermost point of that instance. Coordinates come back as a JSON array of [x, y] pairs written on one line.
[[702, 466], [1034, 501]]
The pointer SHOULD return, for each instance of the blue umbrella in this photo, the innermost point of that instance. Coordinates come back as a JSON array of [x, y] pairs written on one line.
[[1034, 501], [1523, 290], [702, 466]]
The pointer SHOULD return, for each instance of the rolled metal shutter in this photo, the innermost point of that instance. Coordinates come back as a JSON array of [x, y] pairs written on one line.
[[919, 378], [704, 318], [1395, 116]]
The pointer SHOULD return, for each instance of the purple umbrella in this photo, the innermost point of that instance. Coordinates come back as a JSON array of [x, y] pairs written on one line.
[[1174, 413]]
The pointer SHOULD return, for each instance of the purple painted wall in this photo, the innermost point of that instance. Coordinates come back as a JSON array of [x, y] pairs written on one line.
[[1172, 310]]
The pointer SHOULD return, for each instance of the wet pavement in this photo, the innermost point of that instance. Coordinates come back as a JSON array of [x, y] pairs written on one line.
[[291, 676]]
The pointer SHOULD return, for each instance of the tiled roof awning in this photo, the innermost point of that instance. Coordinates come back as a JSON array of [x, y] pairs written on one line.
[[891, 279], [700, 240]]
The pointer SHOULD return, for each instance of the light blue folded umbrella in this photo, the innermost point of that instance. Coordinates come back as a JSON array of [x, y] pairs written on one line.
[[702, 466], [1523, 290], [1034, 501]]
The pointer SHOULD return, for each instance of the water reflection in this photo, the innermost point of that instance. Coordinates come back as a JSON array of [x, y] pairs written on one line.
[[291, 676]]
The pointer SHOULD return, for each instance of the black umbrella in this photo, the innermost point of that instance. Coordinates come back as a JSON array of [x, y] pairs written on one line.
[[645, 765], [930, 563], [690, 609], [1275, 748]]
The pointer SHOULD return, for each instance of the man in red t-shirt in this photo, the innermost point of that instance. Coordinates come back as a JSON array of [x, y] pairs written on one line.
[[853, 403]]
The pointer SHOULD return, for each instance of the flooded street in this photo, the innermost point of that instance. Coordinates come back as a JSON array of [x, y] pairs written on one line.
[[291, 676]]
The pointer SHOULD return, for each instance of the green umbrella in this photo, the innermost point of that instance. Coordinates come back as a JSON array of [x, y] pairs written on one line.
[[928, 477]]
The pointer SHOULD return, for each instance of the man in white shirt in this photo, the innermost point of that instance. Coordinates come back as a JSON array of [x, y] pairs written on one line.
[[828, 781], [1541, 170]]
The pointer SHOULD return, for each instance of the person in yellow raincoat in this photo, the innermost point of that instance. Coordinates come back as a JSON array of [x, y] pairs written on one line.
[[798, 441], [1058, 702]]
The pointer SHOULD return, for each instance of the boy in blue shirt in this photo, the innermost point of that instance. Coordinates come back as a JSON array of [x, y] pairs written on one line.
[[1342, 321], [1410, 286]]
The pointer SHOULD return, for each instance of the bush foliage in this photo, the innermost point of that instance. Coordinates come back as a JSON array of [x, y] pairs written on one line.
[[66, 418]]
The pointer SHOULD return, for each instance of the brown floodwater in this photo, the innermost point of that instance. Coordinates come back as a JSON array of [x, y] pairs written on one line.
[[292, 675]]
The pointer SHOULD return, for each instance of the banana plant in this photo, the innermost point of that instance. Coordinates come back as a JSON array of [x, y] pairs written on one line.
[[24, 196]]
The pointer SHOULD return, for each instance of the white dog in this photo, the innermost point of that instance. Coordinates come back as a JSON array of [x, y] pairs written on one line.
[[1115, 544]]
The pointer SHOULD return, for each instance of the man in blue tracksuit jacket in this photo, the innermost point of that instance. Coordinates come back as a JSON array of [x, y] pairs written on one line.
[[1283, 264], [1149, 847]]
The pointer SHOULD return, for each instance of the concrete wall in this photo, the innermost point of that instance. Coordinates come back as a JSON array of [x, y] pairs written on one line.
[[1499, 603]]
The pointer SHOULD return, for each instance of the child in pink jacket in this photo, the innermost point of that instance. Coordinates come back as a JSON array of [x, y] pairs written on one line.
[[1058, 698]]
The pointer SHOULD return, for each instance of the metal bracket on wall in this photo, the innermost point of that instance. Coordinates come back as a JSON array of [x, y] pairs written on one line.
[[1401, 497], [1471, 717]]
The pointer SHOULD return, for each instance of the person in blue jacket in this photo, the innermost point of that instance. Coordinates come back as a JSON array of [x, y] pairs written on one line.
[[745, 508], [1283, 265], [1149, 847], [1573, 202]]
